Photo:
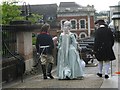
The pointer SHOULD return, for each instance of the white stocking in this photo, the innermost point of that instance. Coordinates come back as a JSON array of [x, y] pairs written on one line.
[[107, 66]]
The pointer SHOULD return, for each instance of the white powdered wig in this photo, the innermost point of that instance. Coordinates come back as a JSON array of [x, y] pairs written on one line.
[[67, 26]]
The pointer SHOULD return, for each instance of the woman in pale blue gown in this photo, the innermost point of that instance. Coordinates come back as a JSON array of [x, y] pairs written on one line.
[[69, 65]]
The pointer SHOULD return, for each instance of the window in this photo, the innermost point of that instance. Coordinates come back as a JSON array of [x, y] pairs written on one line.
[[62, 23], [67, 9], [82, 35], [74, 24], [50, 18], [82, 24]]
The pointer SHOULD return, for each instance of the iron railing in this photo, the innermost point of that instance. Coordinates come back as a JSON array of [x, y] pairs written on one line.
[[8, 41], [11, 61]]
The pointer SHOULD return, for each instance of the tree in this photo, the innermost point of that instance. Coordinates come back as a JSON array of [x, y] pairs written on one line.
[[35, 17], [10, 12]]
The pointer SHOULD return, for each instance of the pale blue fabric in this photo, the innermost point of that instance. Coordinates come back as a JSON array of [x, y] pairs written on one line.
[[68, 57]]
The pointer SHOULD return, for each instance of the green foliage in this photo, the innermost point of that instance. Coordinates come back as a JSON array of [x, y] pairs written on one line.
[[33, 40], [0, 14], [34, 18], [10, 12]]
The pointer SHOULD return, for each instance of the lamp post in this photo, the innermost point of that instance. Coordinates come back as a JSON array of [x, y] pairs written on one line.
[[26, 10], [88, 10]]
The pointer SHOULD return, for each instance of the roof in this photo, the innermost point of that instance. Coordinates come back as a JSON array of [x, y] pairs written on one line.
[[68, 4], [44, 9]]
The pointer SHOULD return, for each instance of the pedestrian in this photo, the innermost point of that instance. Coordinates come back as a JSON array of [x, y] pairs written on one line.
[[69, 63], [103, 44], [45, 46], [55, 40]]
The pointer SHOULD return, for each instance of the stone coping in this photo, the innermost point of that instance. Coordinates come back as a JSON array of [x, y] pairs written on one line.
[[22, 27]]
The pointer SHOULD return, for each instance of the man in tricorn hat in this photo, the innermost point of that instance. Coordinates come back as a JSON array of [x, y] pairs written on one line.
[[103, 44], [100, 21]]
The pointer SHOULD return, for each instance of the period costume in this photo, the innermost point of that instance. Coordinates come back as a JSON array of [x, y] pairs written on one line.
[[45, 46], [103, 44], [69, 63]]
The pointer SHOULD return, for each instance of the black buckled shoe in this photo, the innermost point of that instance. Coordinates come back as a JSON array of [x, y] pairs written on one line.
[[49, 75], [106, 76], [100, 75], [49, 69], [45, 77]]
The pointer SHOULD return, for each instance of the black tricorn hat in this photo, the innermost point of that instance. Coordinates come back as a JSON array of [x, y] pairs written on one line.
[[100, 22]]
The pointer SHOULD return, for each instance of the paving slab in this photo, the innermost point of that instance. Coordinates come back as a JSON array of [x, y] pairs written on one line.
[[91, 80]]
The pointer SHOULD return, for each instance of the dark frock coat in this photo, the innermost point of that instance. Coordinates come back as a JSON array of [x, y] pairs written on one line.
[[44, 39], [103, 44]]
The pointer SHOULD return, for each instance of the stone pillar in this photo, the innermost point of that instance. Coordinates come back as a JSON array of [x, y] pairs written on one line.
[[24, 47]]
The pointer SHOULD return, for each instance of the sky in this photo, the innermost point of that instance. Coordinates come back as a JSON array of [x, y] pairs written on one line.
[[100, 5]]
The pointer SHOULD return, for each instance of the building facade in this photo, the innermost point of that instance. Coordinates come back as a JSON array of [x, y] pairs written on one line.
[[48, 11], [114, 9], [82, 18]]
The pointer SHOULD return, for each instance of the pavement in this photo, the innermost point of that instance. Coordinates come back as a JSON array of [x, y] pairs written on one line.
[[114, 80], [91, 80], [110, 83]]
